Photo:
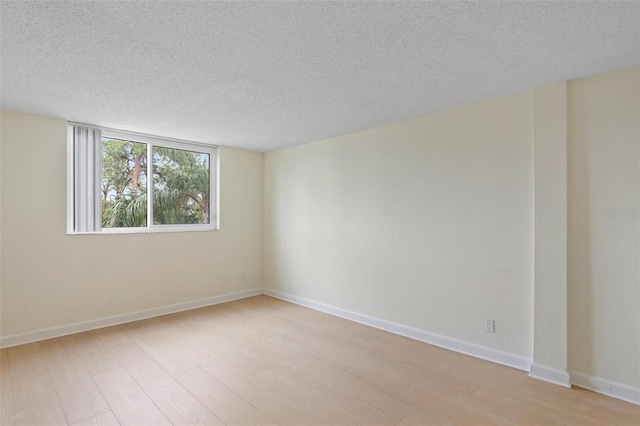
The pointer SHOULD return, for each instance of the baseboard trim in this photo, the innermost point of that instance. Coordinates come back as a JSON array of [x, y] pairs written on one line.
[[537, 371], [607, 387], [550, 375], [78, 327], [478, 351]]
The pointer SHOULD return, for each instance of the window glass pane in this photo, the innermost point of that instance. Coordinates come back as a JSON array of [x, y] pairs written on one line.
[[180, 186], [124, 183]]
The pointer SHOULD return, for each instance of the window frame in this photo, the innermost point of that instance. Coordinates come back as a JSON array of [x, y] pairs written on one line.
[[151, 141]]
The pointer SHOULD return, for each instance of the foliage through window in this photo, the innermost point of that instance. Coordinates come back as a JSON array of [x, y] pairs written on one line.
[[144, 184]]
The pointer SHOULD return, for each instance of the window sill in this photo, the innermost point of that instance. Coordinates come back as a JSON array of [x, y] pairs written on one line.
[[152, 230]]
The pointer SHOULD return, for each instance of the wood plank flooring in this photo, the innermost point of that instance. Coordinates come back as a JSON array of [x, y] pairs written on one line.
[[267, 362]]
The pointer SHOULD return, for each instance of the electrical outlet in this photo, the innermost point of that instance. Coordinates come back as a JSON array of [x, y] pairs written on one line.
[[243, 277], [489, 326]]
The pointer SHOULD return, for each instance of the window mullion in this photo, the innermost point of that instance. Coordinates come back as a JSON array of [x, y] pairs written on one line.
[[149, 185]]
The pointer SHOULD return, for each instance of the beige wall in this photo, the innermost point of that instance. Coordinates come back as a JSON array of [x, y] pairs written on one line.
[[430, 223], [604, 251], [51, 279], [427, 223]]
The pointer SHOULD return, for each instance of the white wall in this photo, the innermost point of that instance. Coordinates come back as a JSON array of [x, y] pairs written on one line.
[[51, 279], [427, 223], [604, 251]]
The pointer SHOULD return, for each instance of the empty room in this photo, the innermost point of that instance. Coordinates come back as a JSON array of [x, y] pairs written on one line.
[[319, 213]]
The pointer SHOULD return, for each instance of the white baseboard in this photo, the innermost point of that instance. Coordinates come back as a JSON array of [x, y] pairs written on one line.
[[559, 377], [472, 349], [537, 371], [63, 330], [550, 374], [607, 387]]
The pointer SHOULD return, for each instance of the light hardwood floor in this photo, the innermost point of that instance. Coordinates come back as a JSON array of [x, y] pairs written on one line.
[[264, 361]]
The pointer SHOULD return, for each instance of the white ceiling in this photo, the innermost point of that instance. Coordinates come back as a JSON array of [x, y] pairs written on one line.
[[268, 75]]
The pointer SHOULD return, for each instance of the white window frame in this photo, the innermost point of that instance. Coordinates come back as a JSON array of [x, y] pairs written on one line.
[[150, 141]]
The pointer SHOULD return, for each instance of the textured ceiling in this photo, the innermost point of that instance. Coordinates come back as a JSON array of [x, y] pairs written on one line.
[[268, 75]]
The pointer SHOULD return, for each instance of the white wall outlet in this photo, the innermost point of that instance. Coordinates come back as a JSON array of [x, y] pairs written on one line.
[[489, 326], [243, 277]]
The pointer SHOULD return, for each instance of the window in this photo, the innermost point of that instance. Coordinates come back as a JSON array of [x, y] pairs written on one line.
[[128, 182]]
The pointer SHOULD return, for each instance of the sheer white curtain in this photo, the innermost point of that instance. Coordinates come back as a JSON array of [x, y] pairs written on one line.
[[87, 155]]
